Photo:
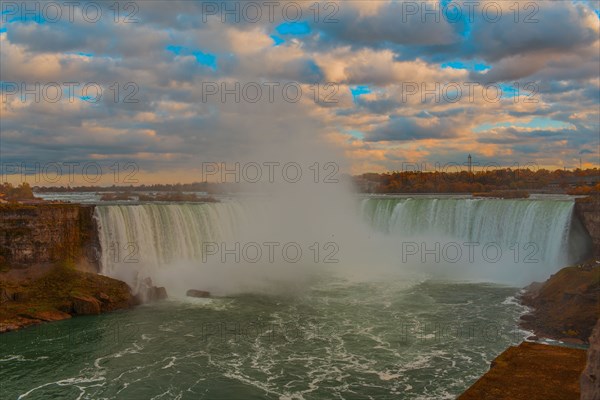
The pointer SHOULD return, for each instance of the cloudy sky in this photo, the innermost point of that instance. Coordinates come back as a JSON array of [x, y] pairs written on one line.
[[371, 85]]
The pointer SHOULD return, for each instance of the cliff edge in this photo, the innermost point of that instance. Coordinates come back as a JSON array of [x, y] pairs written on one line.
[[49, 264], [566, 306]]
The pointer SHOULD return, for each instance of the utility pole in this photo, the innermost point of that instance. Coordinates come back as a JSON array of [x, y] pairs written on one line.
[[469, 163]]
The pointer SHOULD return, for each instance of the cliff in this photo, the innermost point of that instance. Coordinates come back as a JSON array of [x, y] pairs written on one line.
[[34, 235], [531, 371], [48, 265], [587, 209], [566, 306], [590, 378], [55, 293]]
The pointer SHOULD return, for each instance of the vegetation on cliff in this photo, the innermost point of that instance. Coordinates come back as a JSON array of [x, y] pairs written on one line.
[[56, 293], [10, 193], [456, 179], [41, 247]]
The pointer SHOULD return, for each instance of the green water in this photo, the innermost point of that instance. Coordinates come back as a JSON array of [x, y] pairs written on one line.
[[339, 340]]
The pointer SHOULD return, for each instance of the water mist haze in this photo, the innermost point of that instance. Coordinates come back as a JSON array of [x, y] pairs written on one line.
[[300, 221]]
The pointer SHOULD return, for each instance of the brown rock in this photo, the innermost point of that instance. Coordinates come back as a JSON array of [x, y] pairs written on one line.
[[155, 293], [5, 296], [531, 371], [52, 315], [572, 340], [197, 293], [533, 338], [566, 305], [587, 210], [590, 378], [8, 327], [103, 297], [86, 305], [20, 296]]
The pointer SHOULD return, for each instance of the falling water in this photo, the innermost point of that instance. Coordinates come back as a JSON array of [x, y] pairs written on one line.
[[140, 241], [544, 226]]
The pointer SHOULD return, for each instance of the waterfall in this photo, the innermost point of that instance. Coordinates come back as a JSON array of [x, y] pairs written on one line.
[[543, 228], [165, 241], [139, 240]]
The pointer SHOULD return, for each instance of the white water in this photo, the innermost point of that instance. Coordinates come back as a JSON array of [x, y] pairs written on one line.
[[165, 241], [140, 241], [534, 237], [546, 224]]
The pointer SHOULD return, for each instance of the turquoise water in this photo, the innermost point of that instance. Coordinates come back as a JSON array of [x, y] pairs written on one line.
[[387, 339]]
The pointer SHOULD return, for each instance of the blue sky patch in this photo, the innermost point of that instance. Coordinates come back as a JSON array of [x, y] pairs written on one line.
[[359, 90], [535, 123], [355, 133], [207, 59], [277, 40], [210, 60], [293, 28], [468, 65]]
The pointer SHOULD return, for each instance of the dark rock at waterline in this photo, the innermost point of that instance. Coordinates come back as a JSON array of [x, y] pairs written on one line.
[[151, 293], [86, 305], [533, 338], [156, 293], [197, 293], [590, 378], [565, 307]]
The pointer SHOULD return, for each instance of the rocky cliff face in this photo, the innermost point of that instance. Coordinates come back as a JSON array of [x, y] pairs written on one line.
[[566, 306], [531, 371], [588, 211], [48, 262], [47, 234], [590, 379]]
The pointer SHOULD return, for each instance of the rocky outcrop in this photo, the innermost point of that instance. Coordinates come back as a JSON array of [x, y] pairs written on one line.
[[531, 371], [49, 256], [32, 235], [149, 293], [590, 378], [566, 306], [86, 305], [587, 209], [197, 293], [155, 293], [59, 293]]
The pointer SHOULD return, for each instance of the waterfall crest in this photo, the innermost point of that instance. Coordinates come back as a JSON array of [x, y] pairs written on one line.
[[545, 223], [152, 240], [139, 240]]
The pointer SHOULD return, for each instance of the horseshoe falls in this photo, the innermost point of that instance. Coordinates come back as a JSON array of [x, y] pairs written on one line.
[[388, 321], [494, 240]]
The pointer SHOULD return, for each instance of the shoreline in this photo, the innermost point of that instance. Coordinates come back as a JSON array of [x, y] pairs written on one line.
[[58, 293], [557, 361]]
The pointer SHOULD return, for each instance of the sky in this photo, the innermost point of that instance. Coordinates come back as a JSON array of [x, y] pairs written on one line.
[[156, 89]]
